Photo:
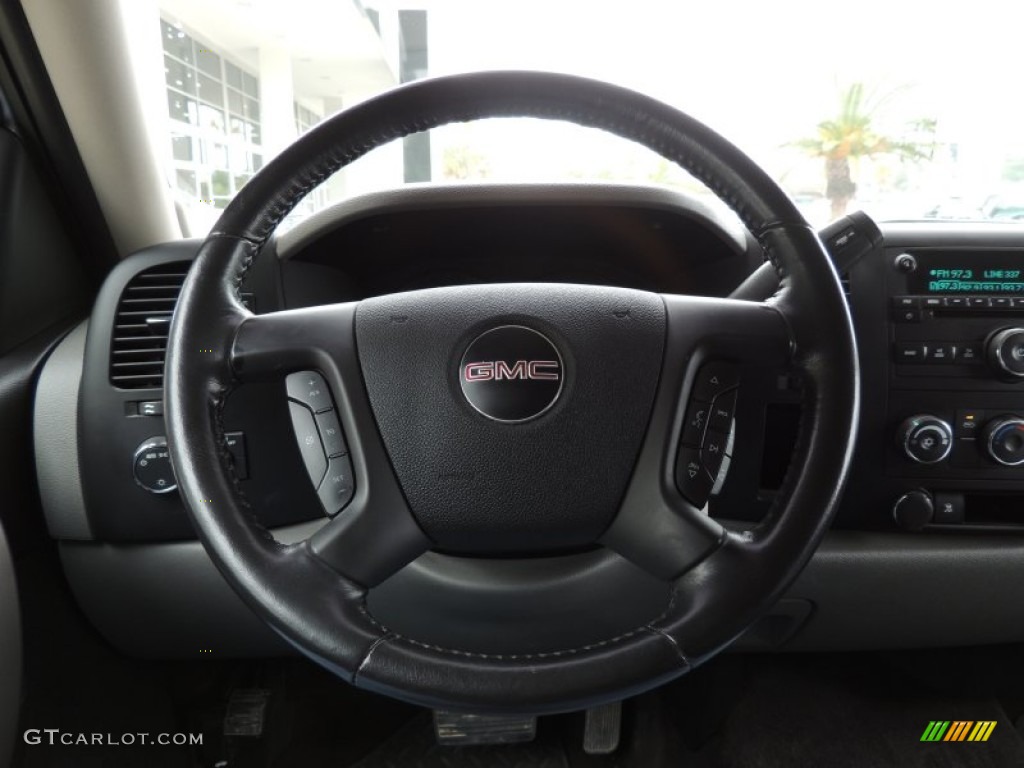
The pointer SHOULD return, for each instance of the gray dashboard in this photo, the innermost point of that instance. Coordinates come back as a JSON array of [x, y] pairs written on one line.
[[146, 583]]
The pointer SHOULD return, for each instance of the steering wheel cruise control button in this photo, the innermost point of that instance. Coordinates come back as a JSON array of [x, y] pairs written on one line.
[[338, 486], [331, 434], [310, 389], [308, 437]]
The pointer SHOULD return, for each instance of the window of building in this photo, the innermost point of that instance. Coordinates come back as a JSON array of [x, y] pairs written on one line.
[[214, 109], [305, 119]]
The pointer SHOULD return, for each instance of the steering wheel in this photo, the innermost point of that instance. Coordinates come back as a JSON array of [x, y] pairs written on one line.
[[526, 419]]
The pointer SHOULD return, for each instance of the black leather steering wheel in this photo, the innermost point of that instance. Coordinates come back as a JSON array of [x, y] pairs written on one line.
[[436, 471]]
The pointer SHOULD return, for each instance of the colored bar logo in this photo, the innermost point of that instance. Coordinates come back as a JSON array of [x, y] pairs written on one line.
[[958, 730]]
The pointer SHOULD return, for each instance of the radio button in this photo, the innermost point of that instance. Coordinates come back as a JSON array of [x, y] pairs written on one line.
[[956, 302], [934, 302], [1006, 351], [969, 354], [941, 354], [910, 352], [1018, 302], [906, 309], [1001, 302], [979, 302]]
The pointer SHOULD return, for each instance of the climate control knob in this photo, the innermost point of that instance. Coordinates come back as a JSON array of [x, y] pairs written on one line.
[[1005, 352], [925, 439], [1003, 439]]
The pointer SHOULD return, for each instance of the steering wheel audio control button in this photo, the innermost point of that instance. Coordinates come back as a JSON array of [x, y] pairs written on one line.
[[692, 478], [308, 437], [310, 389], [697, 416], [722, 411], [338, 485], [151, 466], [713, 379], [713, 450], [331, 434]]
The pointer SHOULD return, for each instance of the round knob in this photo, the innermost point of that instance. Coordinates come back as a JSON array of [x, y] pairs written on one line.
[[905, 263], [152, 466], [925, 439], [1005, 351], [1003, 438], [913, 511]]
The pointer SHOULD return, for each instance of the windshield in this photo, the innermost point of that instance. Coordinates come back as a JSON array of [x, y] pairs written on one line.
[[905, 110]]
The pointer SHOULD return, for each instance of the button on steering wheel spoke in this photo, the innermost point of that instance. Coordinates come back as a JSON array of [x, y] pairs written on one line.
[[374, 534], [660, 526]]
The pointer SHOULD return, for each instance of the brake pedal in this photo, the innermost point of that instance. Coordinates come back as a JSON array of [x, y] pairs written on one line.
[[454, 729], [602, 729]]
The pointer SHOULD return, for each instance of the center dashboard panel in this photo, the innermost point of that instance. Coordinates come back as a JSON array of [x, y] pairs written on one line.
[[942, 336]]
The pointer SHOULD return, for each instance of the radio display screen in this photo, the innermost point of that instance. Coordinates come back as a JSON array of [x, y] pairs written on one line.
[[953, 273]]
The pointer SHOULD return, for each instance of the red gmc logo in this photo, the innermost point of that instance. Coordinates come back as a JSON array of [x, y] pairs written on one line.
[[498, 370]]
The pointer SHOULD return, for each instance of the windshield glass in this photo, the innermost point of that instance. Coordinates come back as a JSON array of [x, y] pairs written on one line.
[[904, 110]]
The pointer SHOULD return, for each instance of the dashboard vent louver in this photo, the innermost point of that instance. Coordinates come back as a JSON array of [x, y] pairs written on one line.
[[139, 340]]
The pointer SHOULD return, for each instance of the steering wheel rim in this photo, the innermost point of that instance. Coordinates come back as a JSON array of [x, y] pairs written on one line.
[[314, 593]]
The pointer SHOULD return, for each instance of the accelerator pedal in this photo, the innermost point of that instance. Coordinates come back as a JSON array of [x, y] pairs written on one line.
[[602, 729]]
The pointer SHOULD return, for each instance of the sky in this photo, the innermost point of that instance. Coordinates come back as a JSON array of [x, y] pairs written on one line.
[[763, 74]]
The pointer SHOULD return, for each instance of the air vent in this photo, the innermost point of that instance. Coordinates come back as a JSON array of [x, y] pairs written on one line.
[[141, 324]]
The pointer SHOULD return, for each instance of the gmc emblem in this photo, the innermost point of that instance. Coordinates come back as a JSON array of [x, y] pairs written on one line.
[[498, 370]]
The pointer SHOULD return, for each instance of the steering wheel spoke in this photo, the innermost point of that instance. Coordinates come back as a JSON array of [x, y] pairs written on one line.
[[271, 345], [750, 332], [375, 536], [661, 526]]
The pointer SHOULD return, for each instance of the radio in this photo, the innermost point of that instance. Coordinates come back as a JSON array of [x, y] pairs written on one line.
[[958, 315], [955, 411]]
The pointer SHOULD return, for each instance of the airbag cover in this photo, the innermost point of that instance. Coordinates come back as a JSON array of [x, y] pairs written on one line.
[[552, 482]]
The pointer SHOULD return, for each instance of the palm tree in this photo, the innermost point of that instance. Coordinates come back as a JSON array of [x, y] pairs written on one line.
[[851, 135]]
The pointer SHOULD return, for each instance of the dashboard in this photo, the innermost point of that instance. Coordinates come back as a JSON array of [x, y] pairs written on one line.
[[934, 500]]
